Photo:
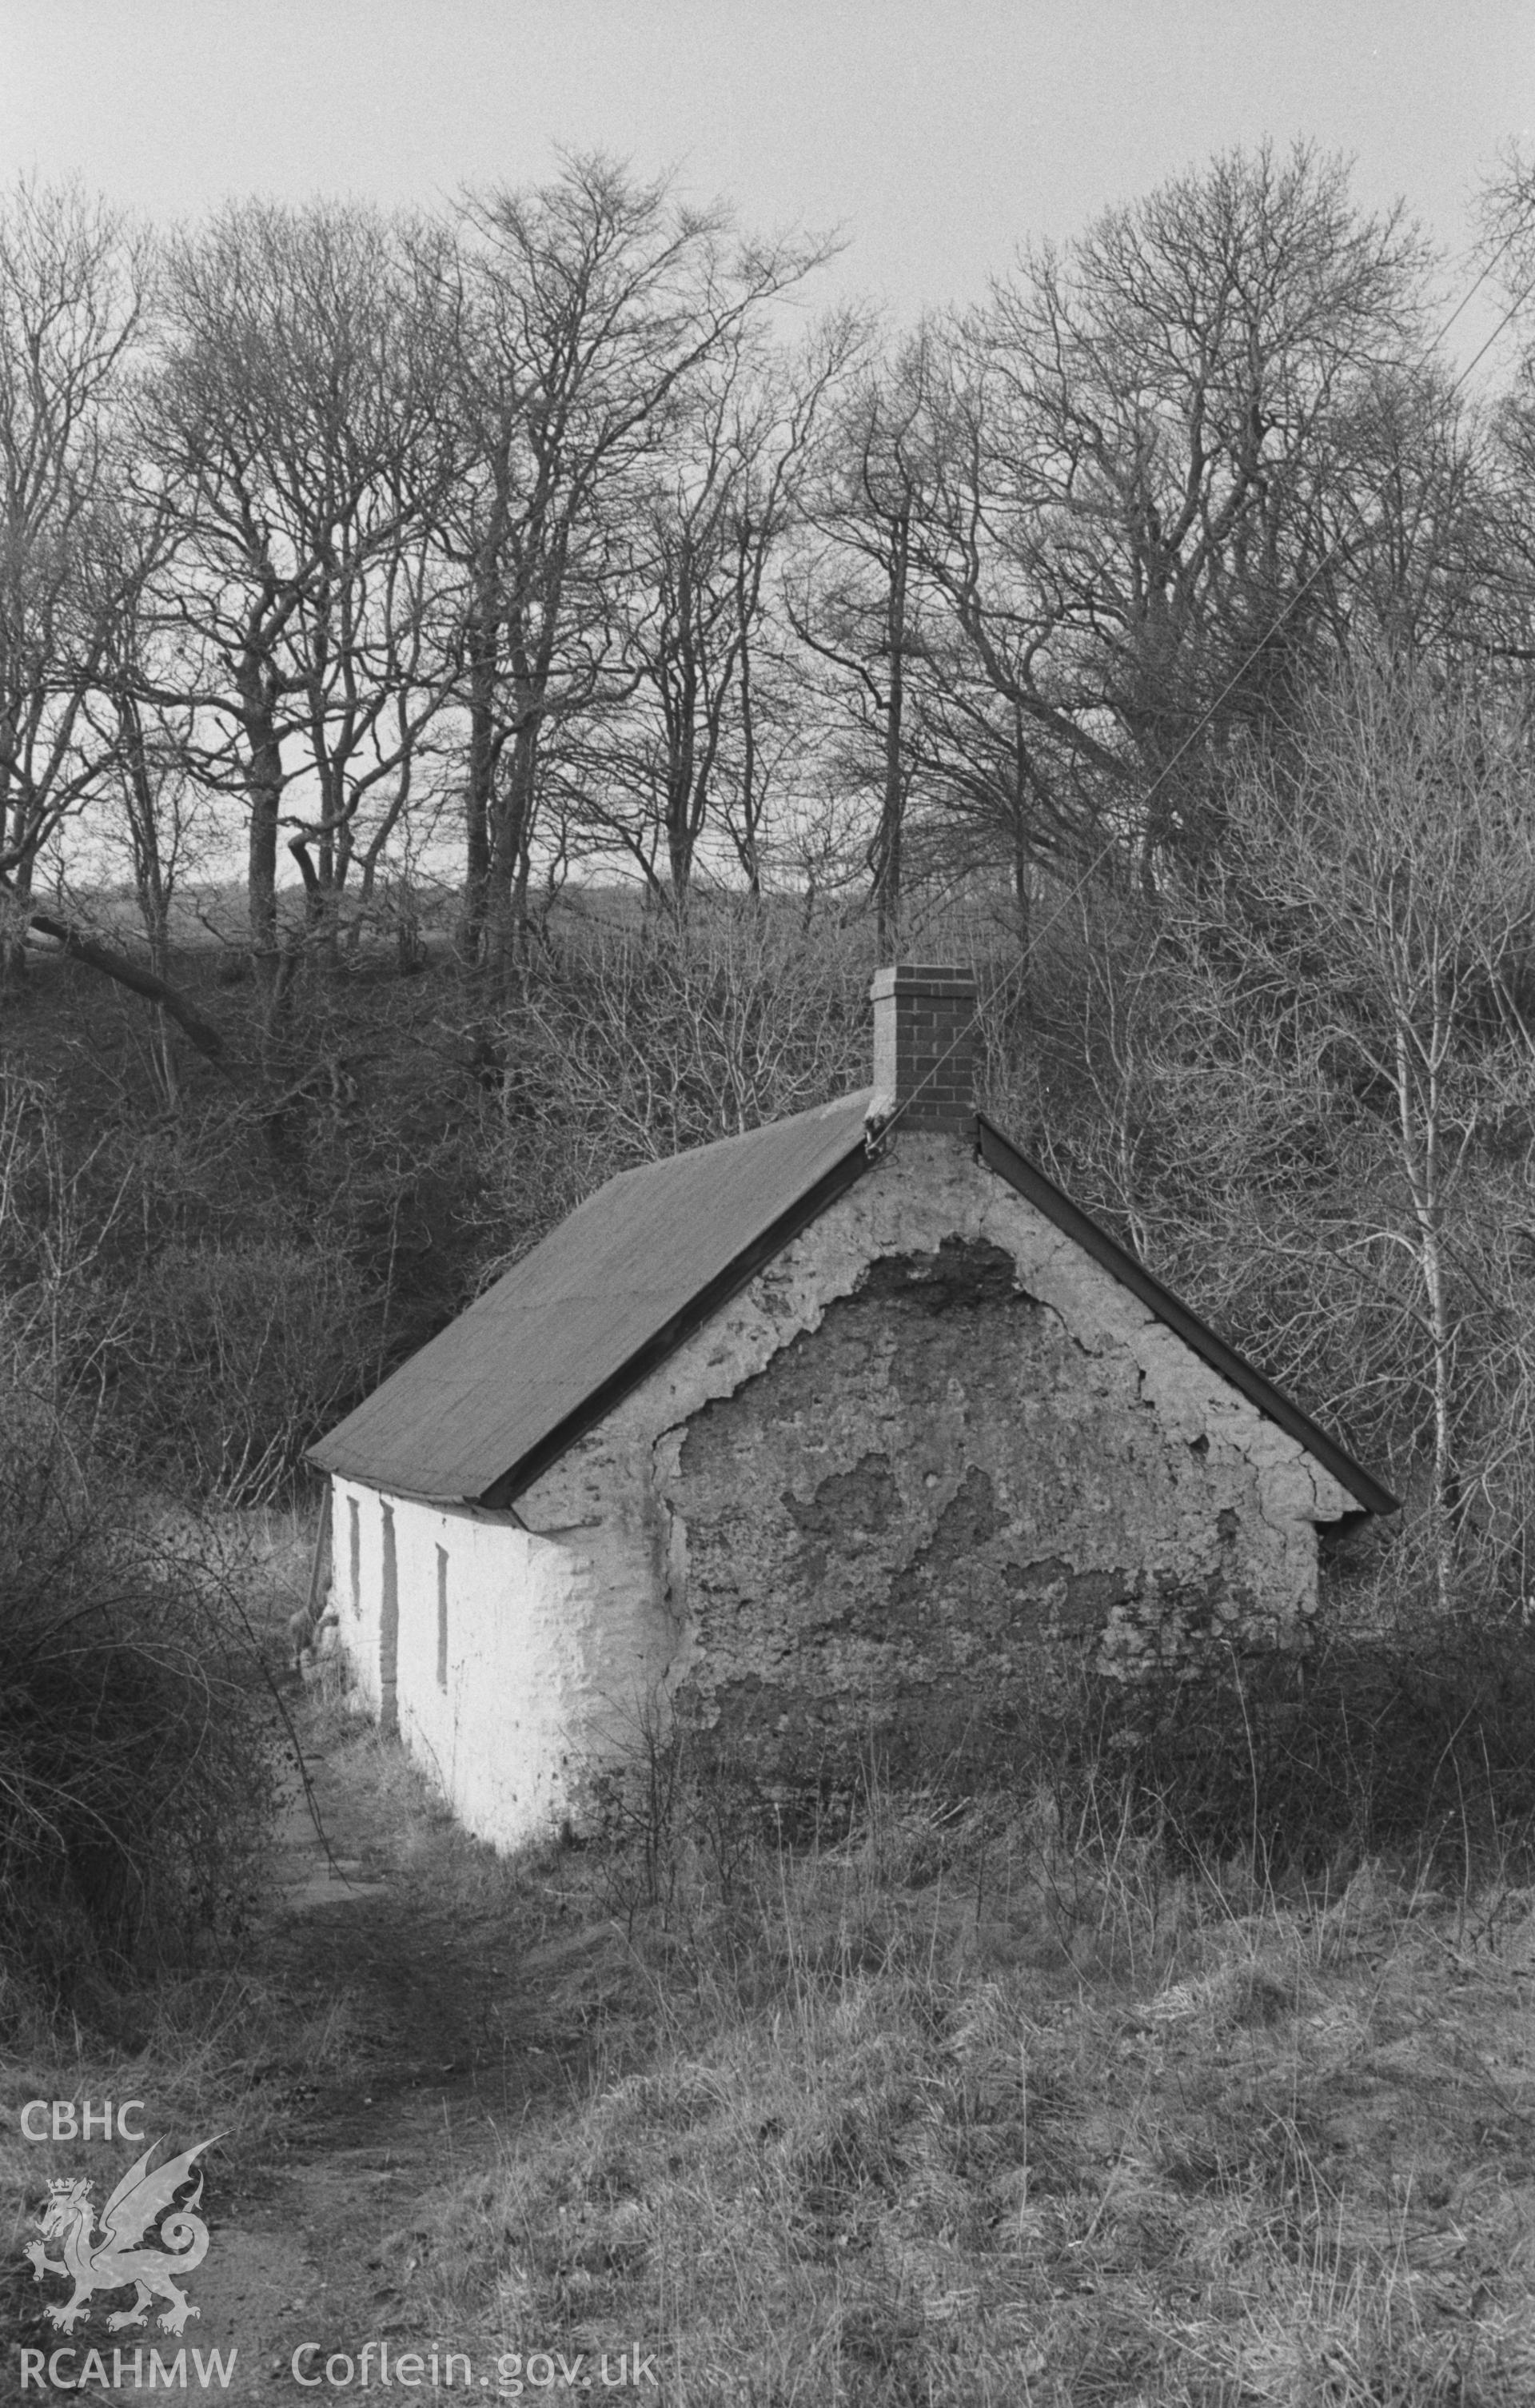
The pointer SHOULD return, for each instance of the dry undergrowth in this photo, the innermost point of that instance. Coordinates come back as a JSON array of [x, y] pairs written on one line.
[[955, 2105], [211, 2039], [950, 2113]]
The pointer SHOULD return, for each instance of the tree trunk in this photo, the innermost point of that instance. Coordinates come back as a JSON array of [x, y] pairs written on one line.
[[263, 786], [887, 857], [1420, 1165], [512, 837], [478, 789], [13, 942], [751, 859], [1022, 849]]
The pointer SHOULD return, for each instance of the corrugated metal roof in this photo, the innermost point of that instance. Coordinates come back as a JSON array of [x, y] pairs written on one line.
[[618, 1284]]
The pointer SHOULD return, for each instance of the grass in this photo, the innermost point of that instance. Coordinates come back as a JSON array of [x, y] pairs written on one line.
[[954, 2110], [229, 2052], [984, 2099]]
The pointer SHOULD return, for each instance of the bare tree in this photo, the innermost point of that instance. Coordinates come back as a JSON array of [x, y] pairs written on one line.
[[681, 761], [1317, 1075], [860, 608], [1167, 473], [295, 427], [72, 298], [583, 308]]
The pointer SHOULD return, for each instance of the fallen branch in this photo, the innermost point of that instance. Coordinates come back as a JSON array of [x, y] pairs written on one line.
[[110, 963]]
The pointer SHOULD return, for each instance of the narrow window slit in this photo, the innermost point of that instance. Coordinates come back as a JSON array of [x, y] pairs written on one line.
[[442, 1617]]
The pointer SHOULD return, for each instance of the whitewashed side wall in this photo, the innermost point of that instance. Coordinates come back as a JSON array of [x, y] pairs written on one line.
[[513, 1675], [356, 1594]]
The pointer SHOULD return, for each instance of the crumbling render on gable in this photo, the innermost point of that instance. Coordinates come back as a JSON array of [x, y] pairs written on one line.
[[892, 1524], [930, 1444]]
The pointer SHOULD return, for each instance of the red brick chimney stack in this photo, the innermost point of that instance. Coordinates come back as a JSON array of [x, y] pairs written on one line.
[[924, 1040]]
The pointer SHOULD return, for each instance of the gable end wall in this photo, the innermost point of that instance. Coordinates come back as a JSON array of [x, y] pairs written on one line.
[[845, 1508]]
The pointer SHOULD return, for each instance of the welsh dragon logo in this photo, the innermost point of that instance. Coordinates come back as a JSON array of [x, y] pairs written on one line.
[[114, 2259]]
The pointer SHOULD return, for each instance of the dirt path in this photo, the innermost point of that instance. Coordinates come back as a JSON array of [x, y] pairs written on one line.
[[439, 2070]]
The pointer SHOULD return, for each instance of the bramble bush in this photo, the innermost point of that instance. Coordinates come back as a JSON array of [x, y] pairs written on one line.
[[135, 1773]]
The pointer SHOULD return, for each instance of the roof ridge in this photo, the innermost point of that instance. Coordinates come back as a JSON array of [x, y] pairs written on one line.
[[619, 1283]]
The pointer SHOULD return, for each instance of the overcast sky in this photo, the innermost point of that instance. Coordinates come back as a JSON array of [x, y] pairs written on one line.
[[938, 134]]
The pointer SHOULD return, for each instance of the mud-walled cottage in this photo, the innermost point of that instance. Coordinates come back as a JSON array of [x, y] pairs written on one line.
[[810, 1437]]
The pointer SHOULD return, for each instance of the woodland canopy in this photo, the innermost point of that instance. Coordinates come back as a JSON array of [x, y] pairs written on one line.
[[480, 692]]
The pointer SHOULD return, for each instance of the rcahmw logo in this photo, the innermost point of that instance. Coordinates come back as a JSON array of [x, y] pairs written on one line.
[[121, 2254]]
